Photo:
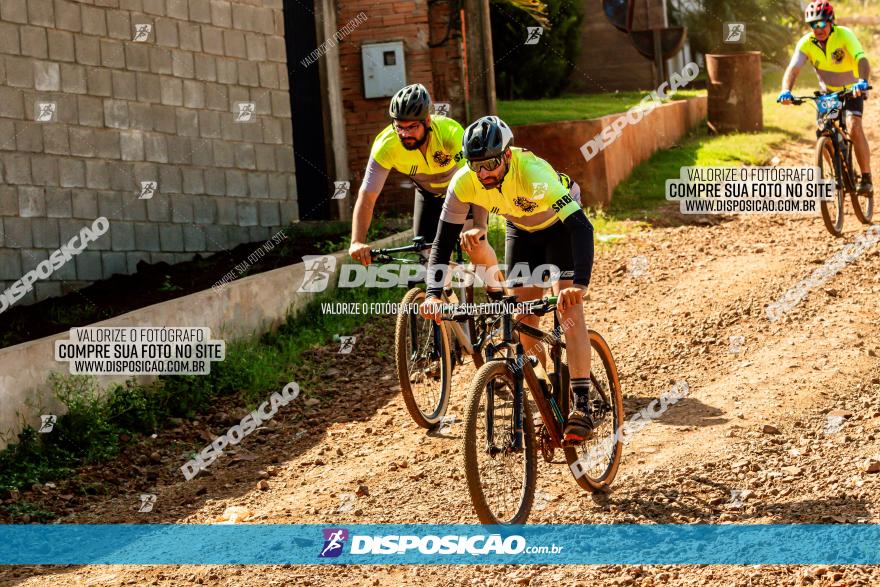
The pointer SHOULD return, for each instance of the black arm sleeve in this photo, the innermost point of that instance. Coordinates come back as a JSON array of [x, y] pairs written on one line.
[[581, 235], [441, 252]]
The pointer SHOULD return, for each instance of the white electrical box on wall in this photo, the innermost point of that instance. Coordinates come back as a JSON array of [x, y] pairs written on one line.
[[384, 69]]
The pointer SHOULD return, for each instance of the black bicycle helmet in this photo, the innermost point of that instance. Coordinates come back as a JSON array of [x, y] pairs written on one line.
[[410, 103], [487, 137]]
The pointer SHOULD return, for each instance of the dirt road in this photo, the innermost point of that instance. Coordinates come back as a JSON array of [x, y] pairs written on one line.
[[704, 284]]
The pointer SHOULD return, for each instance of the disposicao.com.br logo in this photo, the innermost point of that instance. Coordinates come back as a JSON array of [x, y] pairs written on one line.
[[319, 270], [392, 544]]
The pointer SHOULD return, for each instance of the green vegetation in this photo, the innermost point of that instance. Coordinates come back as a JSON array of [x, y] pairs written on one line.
[[644, 190], [167, 285], [95, 424], [575, 107], [542, 69], [770, 25]]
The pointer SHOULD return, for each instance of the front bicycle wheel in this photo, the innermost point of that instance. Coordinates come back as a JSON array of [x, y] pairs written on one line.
[[423, 362], [599, 457], [501, 479], [832, 210]]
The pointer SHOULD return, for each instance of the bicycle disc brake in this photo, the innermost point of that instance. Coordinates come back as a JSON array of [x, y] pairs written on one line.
[[546, 444]]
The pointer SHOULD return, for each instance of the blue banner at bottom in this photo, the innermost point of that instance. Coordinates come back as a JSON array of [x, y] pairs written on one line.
[[160, 544]]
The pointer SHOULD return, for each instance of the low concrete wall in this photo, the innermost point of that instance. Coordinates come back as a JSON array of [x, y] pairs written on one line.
[[560, 142], [243, 308]]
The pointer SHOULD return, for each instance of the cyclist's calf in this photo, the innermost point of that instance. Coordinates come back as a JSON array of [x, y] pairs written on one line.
[[577, 341]]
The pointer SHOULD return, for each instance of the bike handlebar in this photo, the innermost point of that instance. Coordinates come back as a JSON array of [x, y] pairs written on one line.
[[415, 247], [798, 100]]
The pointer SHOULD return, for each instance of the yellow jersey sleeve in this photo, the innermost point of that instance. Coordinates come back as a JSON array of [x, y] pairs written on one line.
[[538, 175], [852, 44], [382, 151]]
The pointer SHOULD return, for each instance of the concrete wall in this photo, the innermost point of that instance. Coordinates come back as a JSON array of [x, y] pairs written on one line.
[[560, 145], [243, 308], [130, 111]]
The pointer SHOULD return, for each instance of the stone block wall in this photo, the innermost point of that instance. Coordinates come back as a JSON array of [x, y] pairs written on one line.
[[134, 104]]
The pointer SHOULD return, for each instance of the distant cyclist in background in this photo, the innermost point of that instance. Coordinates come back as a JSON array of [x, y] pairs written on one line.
[[427, 149], [840, 62]]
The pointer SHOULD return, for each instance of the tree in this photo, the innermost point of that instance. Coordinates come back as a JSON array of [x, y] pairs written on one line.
[[771, 25], [537, 70]]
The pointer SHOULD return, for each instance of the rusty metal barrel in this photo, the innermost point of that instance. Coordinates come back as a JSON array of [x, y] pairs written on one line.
[[735, 92]]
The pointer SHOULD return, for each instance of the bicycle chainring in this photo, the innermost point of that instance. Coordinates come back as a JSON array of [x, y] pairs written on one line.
[[545, 443]]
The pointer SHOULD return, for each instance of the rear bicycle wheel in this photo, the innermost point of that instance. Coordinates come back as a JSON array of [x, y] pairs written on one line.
[[599, 458], [863, 205], [501, 481], [832, 210], [423, 362]]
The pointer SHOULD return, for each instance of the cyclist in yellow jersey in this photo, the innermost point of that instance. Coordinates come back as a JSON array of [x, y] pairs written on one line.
[[545, 226], [840, 62], [427, 149]]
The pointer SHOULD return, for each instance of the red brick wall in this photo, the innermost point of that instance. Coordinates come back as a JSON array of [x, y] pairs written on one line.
[[447, 60], [392, 20]]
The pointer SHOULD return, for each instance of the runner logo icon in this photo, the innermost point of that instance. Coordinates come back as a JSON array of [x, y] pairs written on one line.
[[534, 35], [334, 540], [318, 269]]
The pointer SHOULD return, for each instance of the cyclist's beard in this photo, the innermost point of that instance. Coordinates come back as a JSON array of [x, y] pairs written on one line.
[[491, 182], [411, 144]]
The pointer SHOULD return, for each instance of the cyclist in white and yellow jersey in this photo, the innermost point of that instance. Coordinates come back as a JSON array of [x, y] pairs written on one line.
[[545, 226], [427, 149], [840, 62]]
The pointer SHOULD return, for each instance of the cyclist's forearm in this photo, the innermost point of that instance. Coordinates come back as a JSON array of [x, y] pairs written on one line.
[[790, 77], [441, 251], [362, 216], [581, 236], [864, 69]]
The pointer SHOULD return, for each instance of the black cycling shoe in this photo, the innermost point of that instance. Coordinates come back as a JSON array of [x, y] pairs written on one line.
[[866, 188], [578, 427]]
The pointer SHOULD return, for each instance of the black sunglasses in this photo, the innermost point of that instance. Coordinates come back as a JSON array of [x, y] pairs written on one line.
[[487, 164]]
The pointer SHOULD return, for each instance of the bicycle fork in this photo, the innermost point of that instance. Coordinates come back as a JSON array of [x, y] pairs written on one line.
[[842, 165]]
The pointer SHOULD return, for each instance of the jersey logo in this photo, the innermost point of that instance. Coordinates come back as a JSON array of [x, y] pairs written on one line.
[[524, 204], [837, 56], [459, 156], [495, 210], [561, 202], [539, 190], [413, 169], [441, 158]]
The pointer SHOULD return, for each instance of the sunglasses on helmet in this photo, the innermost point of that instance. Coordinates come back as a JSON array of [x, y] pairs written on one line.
[[819, 24], [487, 164]]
